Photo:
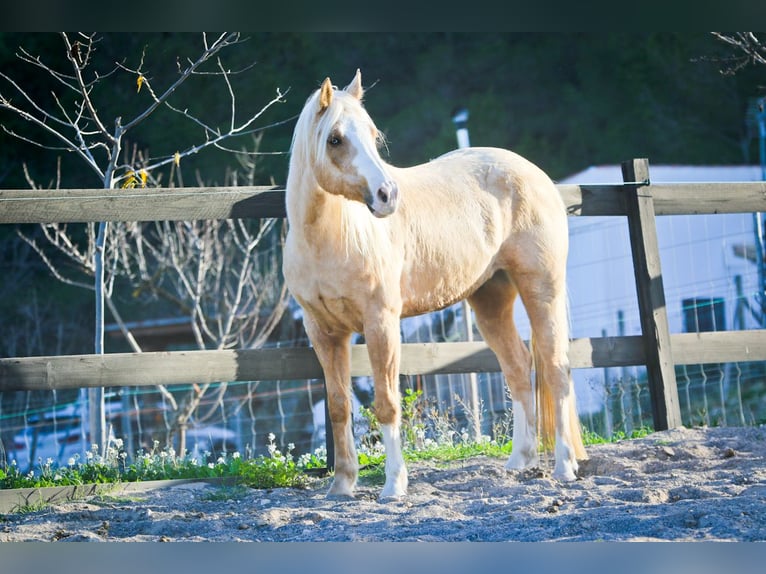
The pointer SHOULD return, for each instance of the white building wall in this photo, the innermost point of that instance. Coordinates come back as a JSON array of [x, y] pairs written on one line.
[[697, 258]]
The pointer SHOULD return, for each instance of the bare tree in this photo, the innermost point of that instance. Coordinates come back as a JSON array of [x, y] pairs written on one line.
[[748, 49], [222, 274], [73, 123]]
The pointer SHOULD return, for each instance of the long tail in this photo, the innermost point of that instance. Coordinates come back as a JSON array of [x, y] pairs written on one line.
[[546, 409]]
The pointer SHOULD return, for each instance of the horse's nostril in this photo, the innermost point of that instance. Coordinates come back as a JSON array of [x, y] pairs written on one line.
[[383, 195]]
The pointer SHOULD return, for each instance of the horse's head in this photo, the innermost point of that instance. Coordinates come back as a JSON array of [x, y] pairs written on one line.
[[342, 147]]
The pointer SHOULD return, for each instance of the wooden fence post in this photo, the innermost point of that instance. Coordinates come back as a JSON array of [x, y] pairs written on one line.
[[651, 295]]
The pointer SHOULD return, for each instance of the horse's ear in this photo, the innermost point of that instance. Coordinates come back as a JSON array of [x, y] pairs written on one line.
[[325, 95], [355, 87]]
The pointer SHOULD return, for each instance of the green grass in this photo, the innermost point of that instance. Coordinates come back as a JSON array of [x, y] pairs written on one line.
[[278, 469], [590, 438], [32, 507]]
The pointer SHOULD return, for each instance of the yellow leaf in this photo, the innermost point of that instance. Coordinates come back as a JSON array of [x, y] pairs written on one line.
[[140, 82], [177, 159], [143, 175], [130, 180]]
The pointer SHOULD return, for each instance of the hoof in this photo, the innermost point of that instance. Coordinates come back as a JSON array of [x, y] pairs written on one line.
[[521, 461], [341, 489], [394, 489], [565, 473]]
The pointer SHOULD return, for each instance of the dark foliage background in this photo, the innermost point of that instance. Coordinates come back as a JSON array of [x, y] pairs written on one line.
[[565, 101]]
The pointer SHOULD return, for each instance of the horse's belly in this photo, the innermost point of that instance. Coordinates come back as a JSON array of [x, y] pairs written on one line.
[[430, 290]]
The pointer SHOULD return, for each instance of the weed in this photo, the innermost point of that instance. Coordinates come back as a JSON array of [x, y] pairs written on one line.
[[32, 507], [373, 475]]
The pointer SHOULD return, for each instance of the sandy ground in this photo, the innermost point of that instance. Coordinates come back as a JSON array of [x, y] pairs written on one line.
[[679, 485]]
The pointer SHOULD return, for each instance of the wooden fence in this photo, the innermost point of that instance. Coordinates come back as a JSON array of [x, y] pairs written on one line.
[[637, 199]]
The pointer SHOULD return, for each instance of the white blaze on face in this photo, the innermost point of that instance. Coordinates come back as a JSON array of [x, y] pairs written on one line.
[[382, 193]]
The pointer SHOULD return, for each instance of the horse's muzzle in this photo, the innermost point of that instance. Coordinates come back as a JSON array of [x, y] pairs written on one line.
[[385, 199]]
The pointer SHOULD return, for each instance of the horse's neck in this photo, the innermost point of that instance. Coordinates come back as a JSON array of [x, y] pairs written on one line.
[[332, 225]]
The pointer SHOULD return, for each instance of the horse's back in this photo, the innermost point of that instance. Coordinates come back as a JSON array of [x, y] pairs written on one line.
[[504, 183], [468, 213]]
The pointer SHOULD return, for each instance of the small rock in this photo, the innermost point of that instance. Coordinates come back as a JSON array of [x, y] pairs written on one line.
[[103, 530], [243, 526], [729, 453], [667, 451], [555, 506]]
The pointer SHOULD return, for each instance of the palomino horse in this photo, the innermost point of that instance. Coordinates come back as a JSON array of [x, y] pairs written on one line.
[[370, 243]]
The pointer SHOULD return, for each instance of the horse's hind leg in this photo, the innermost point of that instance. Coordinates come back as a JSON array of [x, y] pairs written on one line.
[[493, 307], [543, 293], [333, 352]]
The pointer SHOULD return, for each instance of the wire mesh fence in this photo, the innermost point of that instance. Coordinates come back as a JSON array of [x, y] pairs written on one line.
[[38, 426], [710, 285]]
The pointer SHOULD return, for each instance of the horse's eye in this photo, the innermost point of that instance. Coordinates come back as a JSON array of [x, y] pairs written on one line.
[[334, 141]]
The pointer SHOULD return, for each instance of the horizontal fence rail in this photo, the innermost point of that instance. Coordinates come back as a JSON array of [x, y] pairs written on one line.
[[186, 203], [287, 363]]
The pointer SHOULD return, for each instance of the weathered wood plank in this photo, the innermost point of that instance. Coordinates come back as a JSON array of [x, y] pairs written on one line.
[[187, 367], [593, 199], [642, 228], [140, 204], [719, 347], [669, 198], [189, 203], [701, 198], [14, 500]]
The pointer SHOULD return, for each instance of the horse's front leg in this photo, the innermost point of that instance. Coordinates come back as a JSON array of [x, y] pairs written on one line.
[[384, 347], [334, 355]]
